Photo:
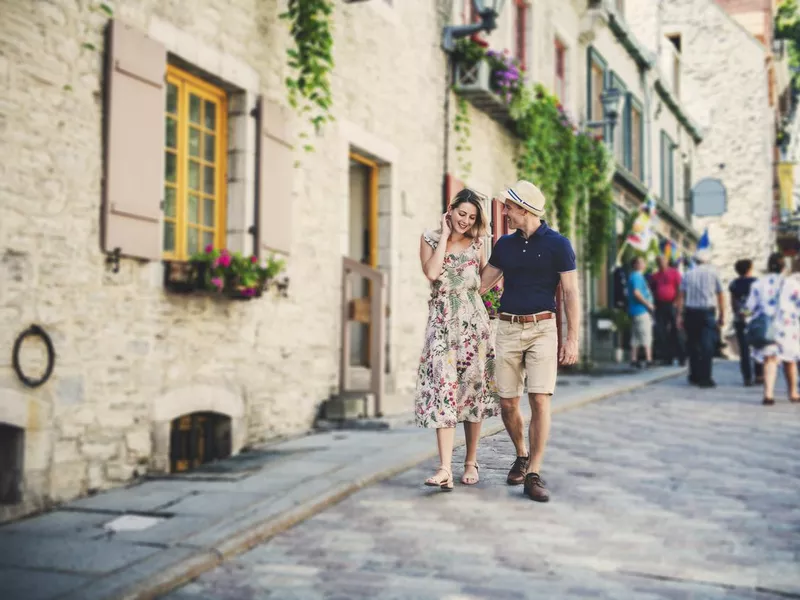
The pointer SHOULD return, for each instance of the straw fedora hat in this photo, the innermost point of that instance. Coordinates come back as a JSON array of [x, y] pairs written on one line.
[[525, 195]]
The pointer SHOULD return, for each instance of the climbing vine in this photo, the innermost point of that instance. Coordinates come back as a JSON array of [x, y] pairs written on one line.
[[461, 126], [573, 168], [311, 60]]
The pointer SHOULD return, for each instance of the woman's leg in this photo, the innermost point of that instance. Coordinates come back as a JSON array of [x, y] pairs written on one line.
[[790, 371], [445, 437], [472, 433], [770, 372]]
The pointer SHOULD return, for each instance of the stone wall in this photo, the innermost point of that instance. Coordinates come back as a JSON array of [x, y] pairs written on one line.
[[726, 89], [130, 356]]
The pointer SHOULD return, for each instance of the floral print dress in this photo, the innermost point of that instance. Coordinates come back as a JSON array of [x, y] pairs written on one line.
[[782, 305], [456, 372]]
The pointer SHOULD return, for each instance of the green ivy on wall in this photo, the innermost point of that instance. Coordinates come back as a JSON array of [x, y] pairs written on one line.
[[311, 59], [572, 168], [462, 127]]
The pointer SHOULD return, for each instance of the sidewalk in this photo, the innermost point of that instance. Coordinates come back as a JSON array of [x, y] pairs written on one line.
[[143, 540]]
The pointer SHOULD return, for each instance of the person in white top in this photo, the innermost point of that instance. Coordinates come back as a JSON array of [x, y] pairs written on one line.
[[778, 297]]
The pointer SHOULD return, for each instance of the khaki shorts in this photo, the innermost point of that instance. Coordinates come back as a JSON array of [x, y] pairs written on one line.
[[642, 331], [526, 349]]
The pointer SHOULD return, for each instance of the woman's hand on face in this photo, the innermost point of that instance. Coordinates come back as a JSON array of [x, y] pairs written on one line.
[[446, 229]]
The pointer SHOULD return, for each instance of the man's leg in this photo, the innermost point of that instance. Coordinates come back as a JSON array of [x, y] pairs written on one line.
[[539, 429], [663, 340], [541, 365], [708, 344], [509, 373], [692, 344], [515, 426]]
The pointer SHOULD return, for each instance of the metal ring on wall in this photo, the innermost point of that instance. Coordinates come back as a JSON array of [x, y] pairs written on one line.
[[34, 331]]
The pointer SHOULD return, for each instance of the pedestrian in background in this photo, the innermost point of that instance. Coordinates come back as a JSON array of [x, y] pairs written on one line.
[[666, 283], [740, 291], [701, 310], [455, 382], [778, 298], [640, 308]]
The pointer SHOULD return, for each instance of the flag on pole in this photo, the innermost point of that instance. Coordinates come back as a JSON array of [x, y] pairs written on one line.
[[641, 235], [705, 241]]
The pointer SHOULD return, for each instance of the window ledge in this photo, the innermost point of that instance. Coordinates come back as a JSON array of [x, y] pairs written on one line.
[[674, 217], [472, 83], [672, 102]]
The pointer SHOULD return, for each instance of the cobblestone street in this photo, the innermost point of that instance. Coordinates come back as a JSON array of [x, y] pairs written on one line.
[[669, 492]]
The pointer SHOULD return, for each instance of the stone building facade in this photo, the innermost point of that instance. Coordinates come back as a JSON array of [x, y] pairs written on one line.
[[132, 359], [737, 115], [141, 371]]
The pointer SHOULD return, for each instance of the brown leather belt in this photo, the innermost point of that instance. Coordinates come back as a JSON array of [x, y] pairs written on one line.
[[542, 316]]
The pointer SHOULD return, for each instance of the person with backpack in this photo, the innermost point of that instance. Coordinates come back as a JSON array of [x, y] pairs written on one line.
[[740, 290], [773, 327]]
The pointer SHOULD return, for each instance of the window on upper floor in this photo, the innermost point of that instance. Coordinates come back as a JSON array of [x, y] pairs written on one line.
[[597, 83], [635, 150], [170, 138], [520, 31], [667, 170], [621, 129], [560, 55], [194, 173]]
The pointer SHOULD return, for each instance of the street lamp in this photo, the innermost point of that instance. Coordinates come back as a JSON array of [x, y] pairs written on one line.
[[611, 98], [488, 12]]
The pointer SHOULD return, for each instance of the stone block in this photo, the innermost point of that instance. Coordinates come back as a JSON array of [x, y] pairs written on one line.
[[68, 481], [69, 390], [99, 451], [120, 472], [139, 442], [66, 451]]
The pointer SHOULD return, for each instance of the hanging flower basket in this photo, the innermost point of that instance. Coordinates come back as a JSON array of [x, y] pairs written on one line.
[[491, 300]]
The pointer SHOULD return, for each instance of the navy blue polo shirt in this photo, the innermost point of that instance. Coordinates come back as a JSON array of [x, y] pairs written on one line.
[[532, 269]]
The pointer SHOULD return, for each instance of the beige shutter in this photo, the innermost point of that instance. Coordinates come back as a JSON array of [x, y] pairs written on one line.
[[276, 173], [134, 149]]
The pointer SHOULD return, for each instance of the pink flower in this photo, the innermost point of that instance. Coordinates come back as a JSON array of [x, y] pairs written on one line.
[[215, 263], [253, 259], [209, 249], [217, 283], [488, 304], [225, 259]]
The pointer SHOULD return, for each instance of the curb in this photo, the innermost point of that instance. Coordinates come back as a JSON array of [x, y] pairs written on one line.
[[246, 538]]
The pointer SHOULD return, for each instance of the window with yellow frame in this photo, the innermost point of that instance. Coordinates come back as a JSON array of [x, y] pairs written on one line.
[[194, 165]]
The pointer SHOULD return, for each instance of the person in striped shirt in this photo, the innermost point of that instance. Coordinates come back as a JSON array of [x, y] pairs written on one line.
[[701, 309]]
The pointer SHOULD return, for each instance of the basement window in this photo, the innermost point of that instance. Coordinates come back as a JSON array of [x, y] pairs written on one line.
[[197, 439], [12, 448]]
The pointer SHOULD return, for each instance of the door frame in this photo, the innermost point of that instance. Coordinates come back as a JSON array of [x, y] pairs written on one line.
[[372, 224]]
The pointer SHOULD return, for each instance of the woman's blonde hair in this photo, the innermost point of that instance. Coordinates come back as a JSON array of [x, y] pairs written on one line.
[[481, 225]]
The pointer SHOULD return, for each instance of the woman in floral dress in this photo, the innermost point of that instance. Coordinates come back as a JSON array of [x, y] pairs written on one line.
[[456, 372], [778, 297]]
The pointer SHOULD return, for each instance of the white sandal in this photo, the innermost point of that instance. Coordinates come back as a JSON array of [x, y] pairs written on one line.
[[446, 485], [470, 481]]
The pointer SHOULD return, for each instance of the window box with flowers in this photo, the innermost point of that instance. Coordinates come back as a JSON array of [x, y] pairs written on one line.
[[489, 79], [220, 272]]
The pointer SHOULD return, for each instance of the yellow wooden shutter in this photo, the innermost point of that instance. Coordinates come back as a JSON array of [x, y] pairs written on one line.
[[276, 173], [134, 144]]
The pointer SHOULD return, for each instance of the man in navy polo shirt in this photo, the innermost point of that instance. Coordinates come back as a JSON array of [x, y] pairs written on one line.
[[532, 261]]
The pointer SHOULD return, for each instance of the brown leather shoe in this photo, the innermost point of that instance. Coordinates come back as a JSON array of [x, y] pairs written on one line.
[[516, 476], [534, 488]]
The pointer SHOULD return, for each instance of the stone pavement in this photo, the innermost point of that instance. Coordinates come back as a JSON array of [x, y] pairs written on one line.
[[176, 528], [668, 492]]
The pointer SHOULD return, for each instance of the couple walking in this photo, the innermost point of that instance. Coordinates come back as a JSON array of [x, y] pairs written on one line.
[[460, 377]]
